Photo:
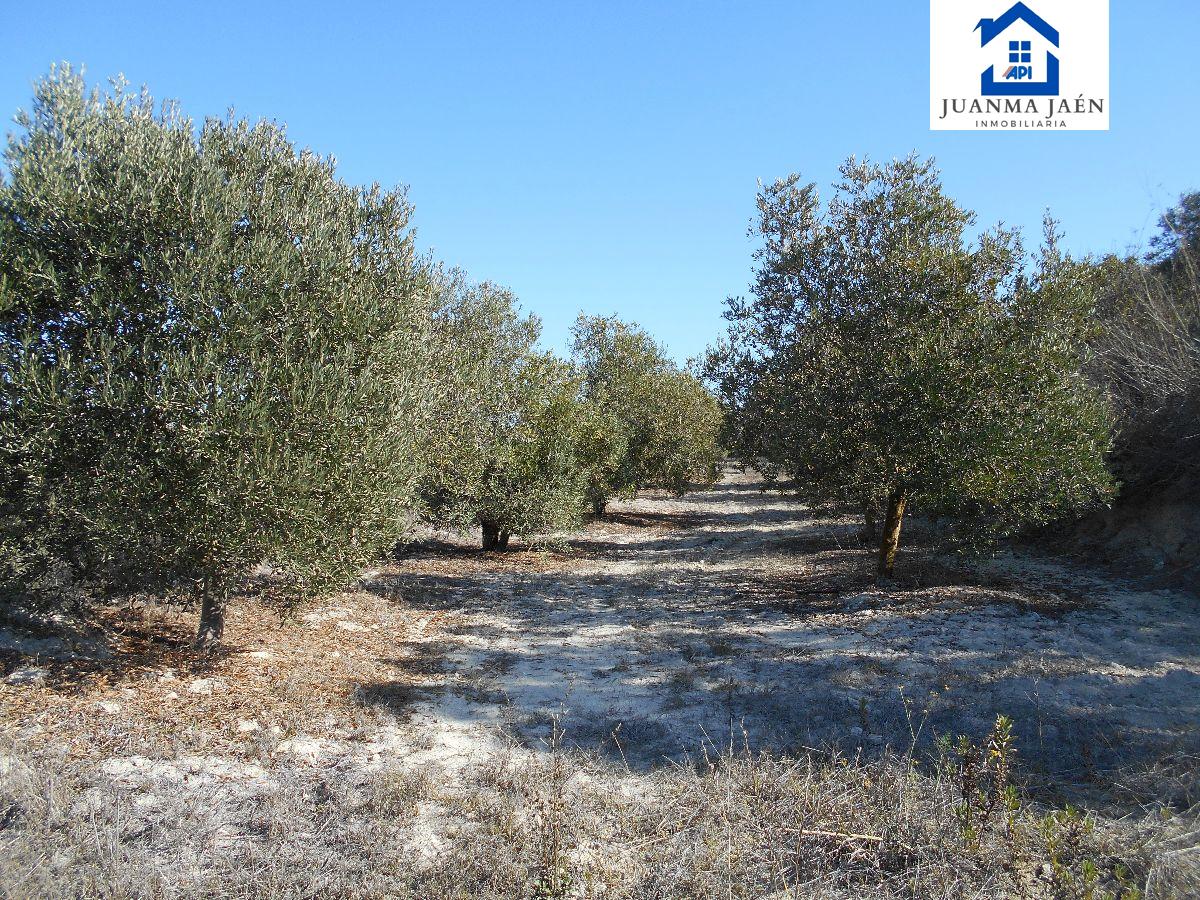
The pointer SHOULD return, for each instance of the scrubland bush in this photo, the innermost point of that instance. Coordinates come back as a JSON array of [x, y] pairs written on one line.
[[884, 359], [1148, 354]]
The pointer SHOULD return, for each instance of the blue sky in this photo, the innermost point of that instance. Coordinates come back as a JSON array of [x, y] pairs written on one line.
[[603, 156]]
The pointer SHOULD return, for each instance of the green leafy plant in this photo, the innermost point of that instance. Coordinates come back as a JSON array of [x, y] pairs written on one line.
[[214, 352], [650, 423], [983, 776], [886, 360], [506, 453]]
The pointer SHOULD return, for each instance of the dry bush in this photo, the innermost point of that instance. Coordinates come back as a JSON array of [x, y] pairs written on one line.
[[558, 824], [1149, 361]]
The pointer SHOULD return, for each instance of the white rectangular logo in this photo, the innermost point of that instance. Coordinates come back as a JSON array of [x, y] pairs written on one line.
[[996, 65]]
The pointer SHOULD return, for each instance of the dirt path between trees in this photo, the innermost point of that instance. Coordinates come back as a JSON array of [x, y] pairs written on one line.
[[730, 615], [737, 615]]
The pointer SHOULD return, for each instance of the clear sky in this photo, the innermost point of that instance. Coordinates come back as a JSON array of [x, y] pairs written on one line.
[[604, 156]]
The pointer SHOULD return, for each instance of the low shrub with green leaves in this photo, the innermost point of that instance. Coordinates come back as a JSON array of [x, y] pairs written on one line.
[[214, 353]]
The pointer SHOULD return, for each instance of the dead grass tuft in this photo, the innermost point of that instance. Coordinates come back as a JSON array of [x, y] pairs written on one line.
[[556, 824]]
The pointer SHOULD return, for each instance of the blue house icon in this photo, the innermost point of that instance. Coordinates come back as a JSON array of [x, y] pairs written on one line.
[[1020, 55]]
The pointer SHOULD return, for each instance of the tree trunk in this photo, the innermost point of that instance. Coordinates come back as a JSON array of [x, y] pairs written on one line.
[[891, 533], [598, 505], [212, 618], [491, 535]]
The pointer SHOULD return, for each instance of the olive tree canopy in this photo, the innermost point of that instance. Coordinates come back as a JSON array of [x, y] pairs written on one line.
[[884, 358], [213, 352], [652, 423], [505, 455]]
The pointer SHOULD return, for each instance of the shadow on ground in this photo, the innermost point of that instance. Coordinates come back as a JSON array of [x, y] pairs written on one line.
[[735, 615], [100, 645]]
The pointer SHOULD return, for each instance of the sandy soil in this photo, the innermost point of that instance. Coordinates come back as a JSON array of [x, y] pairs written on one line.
[[728, 615]]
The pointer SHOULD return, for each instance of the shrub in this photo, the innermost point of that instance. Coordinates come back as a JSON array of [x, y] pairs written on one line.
[[1148, 354]]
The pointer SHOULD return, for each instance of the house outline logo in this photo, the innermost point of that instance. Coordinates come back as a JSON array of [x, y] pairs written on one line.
[[1021, 55]]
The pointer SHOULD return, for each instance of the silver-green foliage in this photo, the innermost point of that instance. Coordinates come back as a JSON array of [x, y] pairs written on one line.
[[883, 354], [505, 453], [214, 351], [650, 423]]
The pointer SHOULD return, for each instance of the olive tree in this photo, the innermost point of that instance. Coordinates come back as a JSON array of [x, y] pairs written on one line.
[[684, 446], [651, 422], [505, 453], [885, 359], [536, 485], [213, 350]]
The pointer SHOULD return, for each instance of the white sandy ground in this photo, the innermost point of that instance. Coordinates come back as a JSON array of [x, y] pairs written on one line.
[[730, 615], [743, 625]]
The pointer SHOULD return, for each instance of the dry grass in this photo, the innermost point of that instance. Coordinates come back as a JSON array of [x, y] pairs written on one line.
[[145, 687], [734, 825]]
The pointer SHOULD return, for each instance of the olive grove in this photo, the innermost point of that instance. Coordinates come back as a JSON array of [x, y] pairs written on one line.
[[219, 357], [505, 455]]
